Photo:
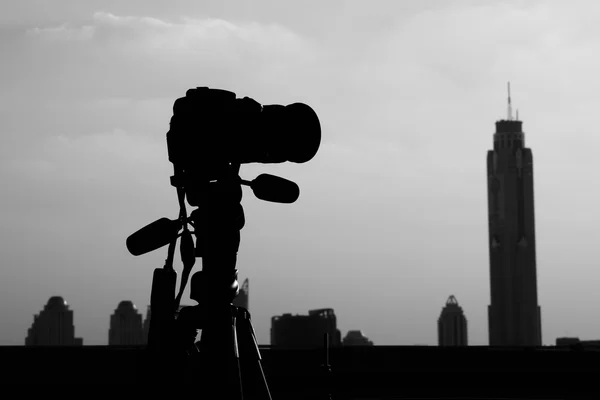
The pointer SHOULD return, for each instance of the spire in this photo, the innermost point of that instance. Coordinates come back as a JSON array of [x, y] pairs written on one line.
[[451, 300], [509, 104]]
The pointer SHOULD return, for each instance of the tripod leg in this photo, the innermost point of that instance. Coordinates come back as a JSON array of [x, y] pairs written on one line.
[[258, 357], [253, 378], [218, 359], [236, 374]]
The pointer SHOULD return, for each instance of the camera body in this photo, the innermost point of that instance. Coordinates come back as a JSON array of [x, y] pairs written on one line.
[[211, 130]]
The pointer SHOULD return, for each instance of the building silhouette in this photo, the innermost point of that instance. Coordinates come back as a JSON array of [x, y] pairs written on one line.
[[242, 299], [305, 331], [514, 315], [53, 326], [126, 326], [452, 325], [567, 341], [570, 341], [356, 338]]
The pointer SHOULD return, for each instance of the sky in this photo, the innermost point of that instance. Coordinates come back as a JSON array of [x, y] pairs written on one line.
[[392, 214]]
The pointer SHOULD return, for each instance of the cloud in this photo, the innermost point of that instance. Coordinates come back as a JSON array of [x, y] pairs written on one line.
[[115, 20], [62, 33], [141, 57], [153, 36], [188, 33]]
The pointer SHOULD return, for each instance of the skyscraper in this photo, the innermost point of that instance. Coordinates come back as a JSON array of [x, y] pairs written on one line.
[[514, 315], [242, 299], [452, 325], [126, 326], [356, 338], [53, 326]]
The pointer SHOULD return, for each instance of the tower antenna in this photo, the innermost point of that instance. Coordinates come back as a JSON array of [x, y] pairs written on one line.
[[509, 104]]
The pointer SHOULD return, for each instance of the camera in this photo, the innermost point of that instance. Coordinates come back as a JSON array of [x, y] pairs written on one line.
[[211, 129]]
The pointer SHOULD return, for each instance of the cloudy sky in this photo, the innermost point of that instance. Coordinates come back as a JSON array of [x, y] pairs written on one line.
[[392, 216]]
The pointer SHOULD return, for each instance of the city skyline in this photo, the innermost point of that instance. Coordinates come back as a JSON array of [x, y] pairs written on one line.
[[127, 326], [392, 213]]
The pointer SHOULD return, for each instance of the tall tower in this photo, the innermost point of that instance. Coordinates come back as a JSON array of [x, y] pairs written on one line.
[[514, 315], [53, 326], [126, 327], [452, 325]]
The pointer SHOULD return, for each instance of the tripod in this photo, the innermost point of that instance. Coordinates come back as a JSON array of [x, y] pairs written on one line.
[[235, 353], [226, 361]]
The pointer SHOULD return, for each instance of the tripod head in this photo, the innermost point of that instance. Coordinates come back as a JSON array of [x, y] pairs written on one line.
[[162, 231], [200, 290]]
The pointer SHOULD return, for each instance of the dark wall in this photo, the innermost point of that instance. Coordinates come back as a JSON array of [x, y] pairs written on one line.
[[360, 371]]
